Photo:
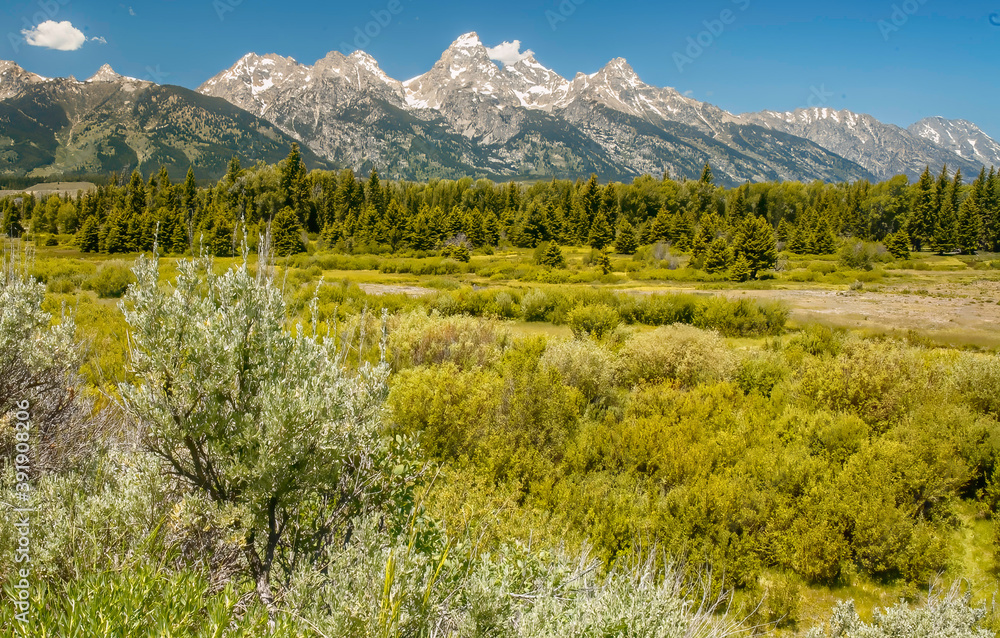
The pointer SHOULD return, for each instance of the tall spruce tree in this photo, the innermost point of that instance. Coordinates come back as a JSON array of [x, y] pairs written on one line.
[[969, 228], [601, 234], [626, 244], [755, 243], [920, 224], [719, 257], [89, 237], [286, 233]]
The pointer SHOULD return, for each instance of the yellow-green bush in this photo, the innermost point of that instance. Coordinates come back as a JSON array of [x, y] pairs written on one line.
[[685, 354], [417, 339]]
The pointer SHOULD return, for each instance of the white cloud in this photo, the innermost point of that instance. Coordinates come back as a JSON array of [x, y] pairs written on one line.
[[131, 11], [61, 36], [508, 52], [99, 39]]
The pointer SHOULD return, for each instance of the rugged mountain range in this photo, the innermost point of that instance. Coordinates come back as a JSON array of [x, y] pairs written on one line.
[[469, 116], [114, 123], [525, 120]]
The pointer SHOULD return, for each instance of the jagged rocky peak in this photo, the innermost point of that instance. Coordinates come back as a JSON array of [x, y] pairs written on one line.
[[107, 74], [959, 136], [467, 41], [466, 68], [14, 79], [536, 86]]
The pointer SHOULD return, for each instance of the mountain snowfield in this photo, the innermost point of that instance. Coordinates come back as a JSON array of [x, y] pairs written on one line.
[[470, 116], [524, 119]]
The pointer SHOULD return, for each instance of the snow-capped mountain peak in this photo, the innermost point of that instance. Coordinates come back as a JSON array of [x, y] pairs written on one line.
[[492, 107], [535, 85], [107, 74], [467, 41], [14, 79], [959, 136]]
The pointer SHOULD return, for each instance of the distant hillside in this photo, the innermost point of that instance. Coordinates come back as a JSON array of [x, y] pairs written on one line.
[[113, 124]]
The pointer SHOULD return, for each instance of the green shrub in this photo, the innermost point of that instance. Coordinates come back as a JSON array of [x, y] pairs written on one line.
[[596, 321], [876, 381], [536, 306], [760, 373], [977, 377], [112, 279], [742, 317], [818, 340], [685, 354], [584, 364], [416, 339], [860, 255]]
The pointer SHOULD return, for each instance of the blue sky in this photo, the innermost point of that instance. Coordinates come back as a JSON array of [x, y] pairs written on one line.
[[899, 61]]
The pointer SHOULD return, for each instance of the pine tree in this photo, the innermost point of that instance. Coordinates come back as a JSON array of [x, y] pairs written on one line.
[[706, 175], [292, 181], [553, 257], [701, 243], [286, 233], [683, 232], [755, 242], [784, 231], [946, 228], [473, 227], [741, 270], [737, 209], [420, 235], [661, 228], [116, 240], [179, 240], [920, 225], [189, 193], [969, 226], [799, 240], [459, 252], [824, 243], [220, 239], [601, 233], [719, 257], [898, 244], [89, 237], [604, 261], [491, 229], [626, 243]]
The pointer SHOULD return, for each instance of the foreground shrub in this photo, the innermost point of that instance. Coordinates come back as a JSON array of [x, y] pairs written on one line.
[[586, 365], [682, 353], [111, 280], [597, 320], [948, 615], [742, 318], [417, 339], [267, 425], [978, 379], [876, 381]]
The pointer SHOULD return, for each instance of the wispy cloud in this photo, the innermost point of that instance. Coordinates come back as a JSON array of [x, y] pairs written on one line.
[[60, 36], [99, 39], [508, 52]]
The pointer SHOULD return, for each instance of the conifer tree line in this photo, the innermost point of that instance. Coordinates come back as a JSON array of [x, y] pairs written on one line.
[[740, 228]]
